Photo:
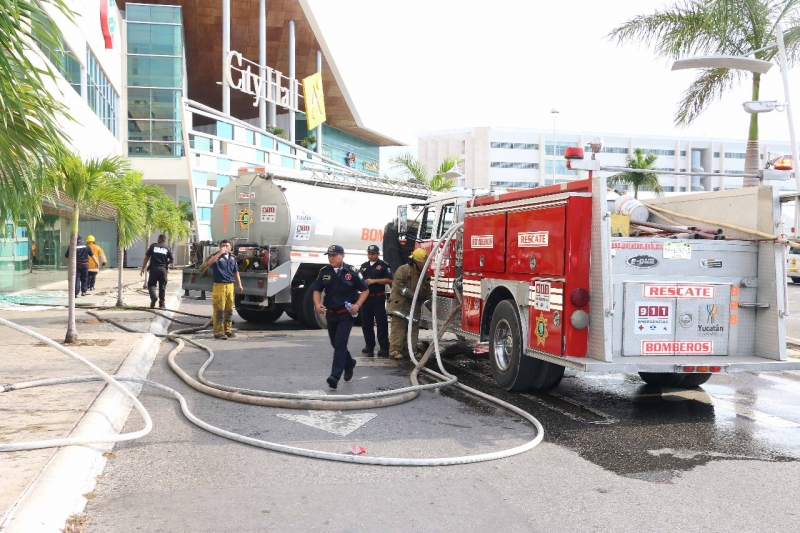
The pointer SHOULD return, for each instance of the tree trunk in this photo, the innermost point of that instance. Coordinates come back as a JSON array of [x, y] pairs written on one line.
[[121, 258], [752, 161], [72, 331]]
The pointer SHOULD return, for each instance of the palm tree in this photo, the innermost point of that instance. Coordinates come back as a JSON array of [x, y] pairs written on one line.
[[31, 138], [130, 217], [717, 27], [639, 180], [278, 132], [86, 184], [308, 142], [413, 169]]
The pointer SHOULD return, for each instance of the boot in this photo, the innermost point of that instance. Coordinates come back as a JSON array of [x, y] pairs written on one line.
[[153, 304]]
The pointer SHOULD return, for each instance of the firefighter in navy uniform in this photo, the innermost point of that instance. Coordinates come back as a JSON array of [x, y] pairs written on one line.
[[160, 257], [341, 283], [377, 274], [82, 253]]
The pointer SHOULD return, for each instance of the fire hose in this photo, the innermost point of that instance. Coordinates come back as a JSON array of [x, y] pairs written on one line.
[[286, 400]]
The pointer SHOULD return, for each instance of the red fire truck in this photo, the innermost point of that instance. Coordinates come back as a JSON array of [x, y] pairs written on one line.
[[548, 285]]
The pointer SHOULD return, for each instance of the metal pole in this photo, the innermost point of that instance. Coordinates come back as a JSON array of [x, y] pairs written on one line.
[[785, 73], [226, 47], [262, 59], [554, 111], [291, 80], [319, 128]]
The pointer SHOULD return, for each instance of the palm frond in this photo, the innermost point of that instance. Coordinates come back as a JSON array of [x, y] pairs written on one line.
[[709, 86], [411, 167]]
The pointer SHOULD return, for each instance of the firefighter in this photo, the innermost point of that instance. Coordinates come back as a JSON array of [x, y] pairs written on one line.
[[82, 253], [377, 274], [160, 257], [226, 270], [97, 258], [343, 286], [404, 284]]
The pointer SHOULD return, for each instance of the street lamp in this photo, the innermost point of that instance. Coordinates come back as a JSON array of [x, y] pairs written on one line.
[[554, 111], [762, 67]]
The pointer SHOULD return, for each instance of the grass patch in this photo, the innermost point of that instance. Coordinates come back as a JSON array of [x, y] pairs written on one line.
[[82, 342], [76, 524], [108, 455], [90, 495]]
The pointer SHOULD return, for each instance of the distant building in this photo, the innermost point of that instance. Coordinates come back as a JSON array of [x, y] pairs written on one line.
[[519, 158]]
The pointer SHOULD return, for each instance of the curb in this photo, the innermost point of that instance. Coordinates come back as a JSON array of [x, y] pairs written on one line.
[[57, 492]]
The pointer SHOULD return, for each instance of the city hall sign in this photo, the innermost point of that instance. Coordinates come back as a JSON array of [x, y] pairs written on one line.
[[273, 87]]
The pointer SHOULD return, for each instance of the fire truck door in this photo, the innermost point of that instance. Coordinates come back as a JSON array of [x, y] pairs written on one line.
[[706, 320], [546, 312]]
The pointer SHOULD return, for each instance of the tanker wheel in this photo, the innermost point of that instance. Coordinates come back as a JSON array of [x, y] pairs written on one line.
[[292, 315], [313, 319], [259, 317], [297, 307], [796, 281], [663, 379], [513, 370]]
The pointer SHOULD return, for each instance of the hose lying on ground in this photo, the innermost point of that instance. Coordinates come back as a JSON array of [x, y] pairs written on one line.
[[300, 401]]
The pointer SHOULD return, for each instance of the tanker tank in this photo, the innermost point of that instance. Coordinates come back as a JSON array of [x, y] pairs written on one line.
[[282, 224]]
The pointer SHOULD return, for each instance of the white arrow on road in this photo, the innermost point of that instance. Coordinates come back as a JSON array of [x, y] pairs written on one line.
[[334, 422]]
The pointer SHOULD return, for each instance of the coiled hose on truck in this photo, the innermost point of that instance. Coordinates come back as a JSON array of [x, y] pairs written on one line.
[[284, 400]]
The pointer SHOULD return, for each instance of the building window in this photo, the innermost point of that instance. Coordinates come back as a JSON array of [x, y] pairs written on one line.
[[100, 95], [609, 150], [560, 147], [716, 154], [155, 81], [734, 155], [683, 189], [668, 188], [61, 56], [668, 169], [659, 152], [515, 146], [502, 164], [683, 152], [514, 184], [561, 168]]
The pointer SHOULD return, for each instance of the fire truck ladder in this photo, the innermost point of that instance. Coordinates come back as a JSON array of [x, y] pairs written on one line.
[[354, 181], [243, 203]]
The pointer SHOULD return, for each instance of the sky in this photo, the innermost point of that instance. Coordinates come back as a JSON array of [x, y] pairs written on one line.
[[415, 66]]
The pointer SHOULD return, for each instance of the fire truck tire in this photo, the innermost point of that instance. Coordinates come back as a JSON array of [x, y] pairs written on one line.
[[663, 379], [694, 380], [313, 319], [513, 370]]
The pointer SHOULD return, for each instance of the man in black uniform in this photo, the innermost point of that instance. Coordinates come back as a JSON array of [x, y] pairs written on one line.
[[377, 274], [160, 257], [342, 284], [82, 253]]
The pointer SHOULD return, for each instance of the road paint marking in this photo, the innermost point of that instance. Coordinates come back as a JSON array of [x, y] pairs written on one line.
[[723, 404], [334, 422]]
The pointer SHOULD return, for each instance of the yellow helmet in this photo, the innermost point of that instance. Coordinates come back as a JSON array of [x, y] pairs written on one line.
[[419, 256], [90, 238]]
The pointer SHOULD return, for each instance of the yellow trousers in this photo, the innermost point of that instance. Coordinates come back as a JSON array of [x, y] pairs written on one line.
[[222, 304]]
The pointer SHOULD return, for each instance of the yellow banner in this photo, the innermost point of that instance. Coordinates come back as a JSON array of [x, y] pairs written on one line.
[[315, 101]]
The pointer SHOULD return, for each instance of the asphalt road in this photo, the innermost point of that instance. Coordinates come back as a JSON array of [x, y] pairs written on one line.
[[617, 456]]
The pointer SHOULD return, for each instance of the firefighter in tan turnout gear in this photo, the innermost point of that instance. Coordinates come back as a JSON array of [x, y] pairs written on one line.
[[404, 284]]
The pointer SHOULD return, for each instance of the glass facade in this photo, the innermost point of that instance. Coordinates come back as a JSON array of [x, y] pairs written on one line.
[[344, 148], [155, 80], [62, 58], [100, 95]]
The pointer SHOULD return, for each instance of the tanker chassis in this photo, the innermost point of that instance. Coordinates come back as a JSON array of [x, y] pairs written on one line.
[[281, 224], [548, 284]]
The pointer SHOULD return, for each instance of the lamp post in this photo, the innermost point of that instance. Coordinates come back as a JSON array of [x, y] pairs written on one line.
[[554, 111], [762, 67]]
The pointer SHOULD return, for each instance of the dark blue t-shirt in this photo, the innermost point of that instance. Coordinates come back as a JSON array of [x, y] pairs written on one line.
[[339, 287], [224, 267]]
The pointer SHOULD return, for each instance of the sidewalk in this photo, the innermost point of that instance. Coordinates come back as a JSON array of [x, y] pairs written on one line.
[[40, 489]]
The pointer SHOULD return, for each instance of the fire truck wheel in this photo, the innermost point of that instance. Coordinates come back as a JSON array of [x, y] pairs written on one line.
[[513, 370], [313, 319], [663, 379], [259, 317], [694, 380]]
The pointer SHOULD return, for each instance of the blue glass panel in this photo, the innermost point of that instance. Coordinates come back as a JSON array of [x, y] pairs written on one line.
[[222, 180], [267, 142], [147, 13], [214, 195], [202, 143], [199, 178], [260, 156], [224, 130], [155, 71], [248, 137], [284, 148], [223, 164], [287, 161], [204, 213]]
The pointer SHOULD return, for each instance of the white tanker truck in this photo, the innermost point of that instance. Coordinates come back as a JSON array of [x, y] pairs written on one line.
[[281, 224]]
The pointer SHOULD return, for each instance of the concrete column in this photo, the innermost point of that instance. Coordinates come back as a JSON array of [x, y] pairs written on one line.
[[291, 78], [226, 47], [319, 128], [262, 59], [687, 181]]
